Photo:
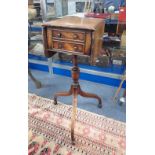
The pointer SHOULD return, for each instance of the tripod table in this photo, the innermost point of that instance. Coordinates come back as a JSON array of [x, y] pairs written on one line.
[[76, 36]]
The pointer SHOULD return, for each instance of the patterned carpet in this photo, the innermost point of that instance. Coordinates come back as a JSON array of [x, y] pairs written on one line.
[[49, 131]]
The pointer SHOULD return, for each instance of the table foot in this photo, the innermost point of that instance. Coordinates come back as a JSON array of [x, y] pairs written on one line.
[[90, 95]]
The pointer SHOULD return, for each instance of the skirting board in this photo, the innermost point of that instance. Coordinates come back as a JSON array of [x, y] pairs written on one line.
[[110, 76]]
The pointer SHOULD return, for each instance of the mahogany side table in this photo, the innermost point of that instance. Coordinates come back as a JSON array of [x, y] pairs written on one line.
[[76, 36]]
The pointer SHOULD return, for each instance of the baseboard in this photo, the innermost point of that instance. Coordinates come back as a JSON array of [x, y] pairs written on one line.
[[107, 75]]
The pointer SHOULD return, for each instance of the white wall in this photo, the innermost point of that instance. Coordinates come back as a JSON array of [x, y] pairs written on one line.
[[48, 1], [58, 4], [71, 7]]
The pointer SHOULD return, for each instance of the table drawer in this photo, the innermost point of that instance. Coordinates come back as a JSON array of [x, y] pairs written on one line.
[[67, 46], [68, 35]]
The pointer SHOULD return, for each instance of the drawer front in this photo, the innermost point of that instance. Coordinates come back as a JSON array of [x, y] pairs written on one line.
[[68, 35], [70, 47]]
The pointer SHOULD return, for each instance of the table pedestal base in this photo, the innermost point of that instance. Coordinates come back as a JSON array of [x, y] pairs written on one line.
[[76, 90]]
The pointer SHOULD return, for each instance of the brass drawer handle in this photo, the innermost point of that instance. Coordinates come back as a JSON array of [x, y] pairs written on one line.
[[59, 35], [60, 45], [75, 48], [75, 36]]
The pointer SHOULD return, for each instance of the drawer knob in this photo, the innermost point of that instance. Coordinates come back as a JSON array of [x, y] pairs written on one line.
[[59, 35], [60, 45], [75, 48], [75, 36]]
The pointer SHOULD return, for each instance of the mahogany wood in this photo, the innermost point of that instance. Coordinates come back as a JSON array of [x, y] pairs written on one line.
[[68, 34], [68, 46], [80, 36], [77, 36]]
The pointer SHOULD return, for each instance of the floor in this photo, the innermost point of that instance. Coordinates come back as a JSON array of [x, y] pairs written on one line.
[[55, 83]]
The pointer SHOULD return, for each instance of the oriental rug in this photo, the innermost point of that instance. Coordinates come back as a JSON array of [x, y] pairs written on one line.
[[49, 131]]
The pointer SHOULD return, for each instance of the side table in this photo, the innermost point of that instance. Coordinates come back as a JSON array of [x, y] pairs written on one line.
[[76, 36]]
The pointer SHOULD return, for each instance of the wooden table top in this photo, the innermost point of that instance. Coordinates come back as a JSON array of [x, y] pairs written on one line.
[[75, 22]]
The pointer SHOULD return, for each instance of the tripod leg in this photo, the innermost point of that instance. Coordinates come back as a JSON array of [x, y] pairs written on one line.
[[62, 94], [90, 95]]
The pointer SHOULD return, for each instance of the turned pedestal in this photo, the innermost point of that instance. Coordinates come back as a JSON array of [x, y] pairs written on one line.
[[75, 90]]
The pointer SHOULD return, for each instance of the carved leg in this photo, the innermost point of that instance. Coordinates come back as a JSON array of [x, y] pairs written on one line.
[[73, 115], [85, 94], [62, 94]]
